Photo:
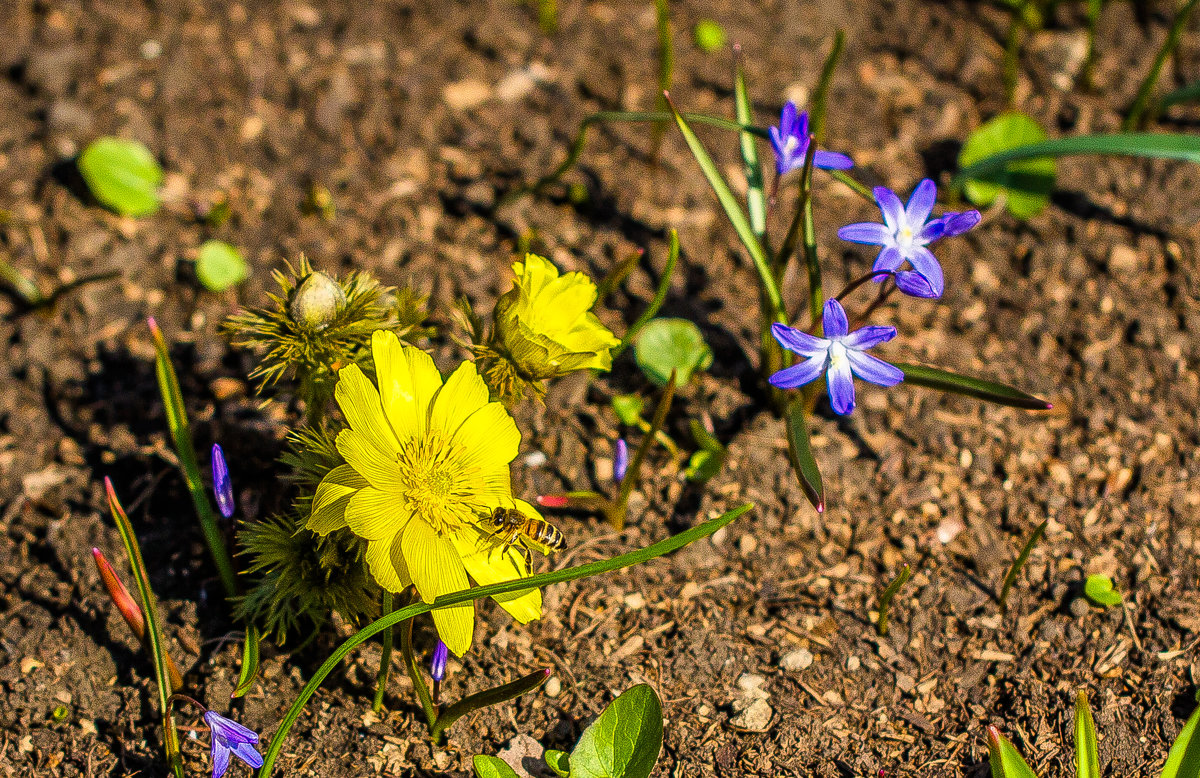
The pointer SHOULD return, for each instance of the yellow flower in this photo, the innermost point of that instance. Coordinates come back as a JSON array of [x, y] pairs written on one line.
[[545, 325], [426, 461]]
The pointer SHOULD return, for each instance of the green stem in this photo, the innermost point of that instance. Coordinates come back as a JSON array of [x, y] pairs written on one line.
[[414, 674], [660, 296], [468, 595], [385, 658], [1134, 119], [1012, 52], [1010, 578], [821, 93], [619, 509], [857, 186], [885, 599]]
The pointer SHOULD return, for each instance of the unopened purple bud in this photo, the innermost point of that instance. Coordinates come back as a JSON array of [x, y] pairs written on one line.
[[221, 483], [620, 460], [437, 667]]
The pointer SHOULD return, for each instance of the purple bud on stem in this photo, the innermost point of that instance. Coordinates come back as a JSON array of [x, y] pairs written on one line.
[[222, 486], [620, 460], [437, 667]]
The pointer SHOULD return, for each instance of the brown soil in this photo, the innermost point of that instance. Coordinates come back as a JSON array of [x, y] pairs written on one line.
[[417, 116]]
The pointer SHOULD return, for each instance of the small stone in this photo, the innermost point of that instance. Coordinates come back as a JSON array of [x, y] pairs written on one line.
[[465, 94], [635, 601], [747, 544], [853, 664], [756, 717], [751, 683], [1079, 607], [795, 661], [553, 686], [1124, 258], [521, 750]]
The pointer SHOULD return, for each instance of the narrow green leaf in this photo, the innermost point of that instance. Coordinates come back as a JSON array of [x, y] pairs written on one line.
[[1100, 592], [486, 698], [220, 266], [736, 217], [1183, 94], [181, 436], [559, 762], [756, 196], [667, 346], [624, 742], [660, 295], [539, 581], [1184, 759], [1157, 145], [618, 510], [1142, 101], [992, 391], [821, 93], [1005, 760], [249, 671], [666, 64], [989, 170], [801, 455], [1018, 564], [491, 767], [122, 175], [889, 594], [22, 286], [1087, 756]]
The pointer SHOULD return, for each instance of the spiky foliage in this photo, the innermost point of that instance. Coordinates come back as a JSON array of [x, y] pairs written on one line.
[[316, 324], [302, 578], [311, 453]]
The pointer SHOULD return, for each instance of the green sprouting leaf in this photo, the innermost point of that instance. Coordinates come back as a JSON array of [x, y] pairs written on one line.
[[992, 391], [671, 344], [1087, 758], [249, 672], [491, 767], [1099, 591], [708, 460], [1025, 184], [1184, 759], [559, 762], [801, 455], [220, 266], [122, 175], [628, 408], [624, 742], [710, 36], [1005, 760]]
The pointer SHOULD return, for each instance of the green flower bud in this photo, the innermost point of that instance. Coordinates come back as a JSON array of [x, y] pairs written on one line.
[[317, 301]]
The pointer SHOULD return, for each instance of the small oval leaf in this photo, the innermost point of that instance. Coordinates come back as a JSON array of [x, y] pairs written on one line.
[[491, 767], [220, 266], [122, 175], [559, 762], [983, 389], [1099, 590], [1025, 184], [671, 344], [624, 742]]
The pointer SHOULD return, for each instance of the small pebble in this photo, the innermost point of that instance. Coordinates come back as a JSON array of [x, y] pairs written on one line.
[[795, 661], [553, 686]]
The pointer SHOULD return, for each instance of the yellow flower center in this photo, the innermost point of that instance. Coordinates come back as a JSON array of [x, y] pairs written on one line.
[[430, 471]]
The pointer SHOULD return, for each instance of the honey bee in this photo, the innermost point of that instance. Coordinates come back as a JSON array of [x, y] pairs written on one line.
[[512, 526]]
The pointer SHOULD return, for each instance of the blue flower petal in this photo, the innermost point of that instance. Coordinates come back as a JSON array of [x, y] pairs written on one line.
[[220, 759], [832, 160], [888, 260], [874, 370], [872, 233], [248, 754], [890, 206], [925, 263], [920, 203], [933, 230], [833, 318], [799, 374], [869, 337], [799, 341], [841, 388], [958, 223], [914, 284]]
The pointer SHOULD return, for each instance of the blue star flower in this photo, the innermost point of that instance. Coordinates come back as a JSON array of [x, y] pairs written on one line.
[[222, 486], [790, 141], [905, 234], [840, 355], [230, 737]]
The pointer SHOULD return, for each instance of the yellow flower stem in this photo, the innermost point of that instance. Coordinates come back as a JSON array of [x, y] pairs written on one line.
[[414, 675], [618, 511], [385, 659]]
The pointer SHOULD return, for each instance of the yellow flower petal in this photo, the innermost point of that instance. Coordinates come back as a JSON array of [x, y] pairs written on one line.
[[379, 469], [463, 393], [373, 514], [359, 401], [436, 569], [488, 562], [379, 561], [407, 379], [333, 493], [489, 439]]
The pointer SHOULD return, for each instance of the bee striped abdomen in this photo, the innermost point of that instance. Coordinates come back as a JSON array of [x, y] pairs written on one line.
[[546, 534]]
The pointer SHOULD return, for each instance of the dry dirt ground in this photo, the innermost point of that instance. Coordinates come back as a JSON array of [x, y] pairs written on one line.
[[417, 116]]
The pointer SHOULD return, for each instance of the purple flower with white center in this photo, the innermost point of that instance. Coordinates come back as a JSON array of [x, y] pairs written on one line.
[[437, 666], [840, 355], [230, 737], [790, 141], [904, 235], [222, 486], [620, 460]]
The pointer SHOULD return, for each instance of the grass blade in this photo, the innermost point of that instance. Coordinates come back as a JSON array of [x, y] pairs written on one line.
[[756, 196], [736, 217], [885, 599], [618, 510], [801, 455], [181, 435], [1184, 759], [487, 698], [666, 63], [660, 296], [980, 388], [1181, 95], [521, 585], [1006, 761], [1128, 144], [1018, 564], [821, 93], [249, 672], [1134, 119], [154, 640], [1087, 757]]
